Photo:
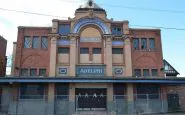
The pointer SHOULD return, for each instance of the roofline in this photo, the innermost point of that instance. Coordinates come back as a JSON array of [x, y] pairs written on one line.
[[38, 27], [1, 37], [145, 29], [172, 67]]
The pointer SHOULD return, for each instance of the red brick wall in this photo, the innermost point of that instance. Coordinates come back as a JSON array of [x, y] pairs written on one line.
[[28, 57], [3, 44], [147, 59]]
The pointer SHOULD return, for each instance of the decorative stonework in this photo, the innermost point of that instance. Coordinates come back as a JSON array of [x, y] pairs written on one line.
[[91, 21]]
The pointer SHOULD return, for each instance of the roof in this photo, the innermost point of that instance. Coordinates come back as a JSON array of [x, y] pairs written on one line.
[[10, 80], [169, 69], [90, 5]]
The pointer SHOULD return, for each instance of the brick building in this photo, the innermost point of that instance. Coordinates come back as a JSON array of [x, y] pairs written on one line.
[[90, 64], [3, 59]]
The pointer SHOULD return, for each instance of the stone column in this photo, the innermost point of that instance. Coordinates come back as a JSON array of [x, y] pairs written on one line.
[[72, 99], [53, 54], [51, 99], [73, 51], [130, 97], [128, 58], [108, 54]]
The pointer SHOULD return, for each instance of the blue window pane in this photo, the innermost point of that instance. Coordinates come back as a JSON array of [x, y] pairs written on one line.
[[64, 29], [152, 43], [35, 42], [117, 31]]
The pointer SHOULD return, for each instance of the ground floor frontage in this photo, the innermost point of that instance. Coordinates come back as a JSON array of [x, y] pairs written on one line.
[[87, 98]]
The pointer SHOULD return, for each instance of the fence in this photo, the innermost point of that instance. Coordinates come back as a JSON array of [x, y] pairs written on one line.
[[103, 104]]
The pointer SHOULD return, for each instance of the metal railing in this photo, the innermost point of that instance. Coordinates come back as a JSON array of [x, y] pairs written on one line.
[[104, 104]]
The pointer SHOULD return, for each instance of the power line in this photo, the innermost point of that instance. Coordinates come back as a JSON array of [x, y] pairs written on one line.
[[25, 12], [136, 8], [158, 27], [41, 14]]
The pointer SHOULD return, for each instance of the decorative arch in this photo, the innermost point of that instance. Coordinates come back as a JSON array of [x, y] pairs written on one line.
[[90, 21]]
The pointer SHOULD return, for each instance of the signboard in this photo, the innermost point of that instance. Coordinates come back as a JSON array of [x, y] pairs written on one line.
[[90, 71]]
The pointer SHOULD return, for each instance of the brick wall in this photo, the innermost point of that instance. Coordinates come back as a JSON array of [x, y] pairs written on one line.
[[29, 57], [3, 44], [148, 59]]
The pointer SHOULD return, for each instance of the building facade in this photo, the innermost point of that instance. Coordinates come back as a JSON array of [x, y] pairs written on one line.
[[3, 59], [89, 64]]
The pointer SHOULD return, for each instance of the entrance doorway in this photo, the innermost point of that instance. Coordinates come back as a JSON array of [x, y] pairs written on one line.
[[91, 99], [173, 102]]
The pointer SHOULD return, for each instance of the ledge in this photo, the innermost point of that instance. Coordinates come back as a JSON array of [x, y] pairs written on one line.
[[68, 79]]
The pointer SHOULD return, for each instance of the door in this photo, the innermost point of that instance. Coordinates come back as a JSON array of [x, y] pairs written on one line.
[[91, 99], [173, 102]]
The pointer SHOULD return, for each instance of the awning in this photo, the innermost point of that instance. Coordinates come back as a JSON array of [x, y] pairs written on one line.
[[92, 80]]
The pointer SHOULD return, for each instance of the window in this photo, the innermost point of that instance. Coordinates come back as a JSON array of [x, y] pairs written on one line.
[[96, 50], [137, 72], [27, 42], [143, 43], [64, 29], [63, 50], [152, 43], [84, 50], [136, 43], [42, 72], [154, 72], [24, 72], [147, 91], [117, 31], [33, 72], [35, 42], [146, 72], [62, 91], [117, 50], [31, 91], [44, 42]]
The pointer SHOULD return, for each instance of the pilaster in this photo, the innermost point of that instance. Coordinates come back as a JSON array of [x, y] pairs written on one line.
[[73, 51], [53, 54], [130, 97], [128, 58], [51, 98], [108, 54]]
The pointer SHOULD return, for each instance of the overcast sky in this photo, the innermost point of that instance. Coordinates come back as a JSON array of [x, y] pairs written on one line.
[[172, 40]]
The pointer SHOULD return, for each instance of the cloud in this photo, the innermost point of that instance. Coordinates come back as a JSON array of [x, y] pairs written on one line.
[[9, 21]]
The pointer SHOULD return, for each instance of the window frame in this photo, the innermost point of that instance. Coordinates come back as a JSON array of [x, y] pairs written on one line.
[[63, 50], [115, 31], [152, 39], [35, 42], [44, 44], [22, 71], [84, 50], [142, 43], [149, 92], [148, 72], [33, 69], [65, 28], [138, 42], [117, 50], [152, 74], [27, 42], [97, 51], [139, 72], [23, 90], [40, 71]]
